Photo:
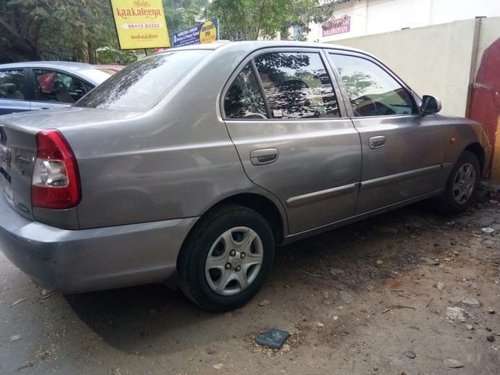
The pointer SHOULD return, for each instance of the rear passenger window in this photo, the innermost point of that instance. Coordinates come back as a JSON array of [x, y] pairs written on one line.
[[12, 84], [297, 85], [243, 98]]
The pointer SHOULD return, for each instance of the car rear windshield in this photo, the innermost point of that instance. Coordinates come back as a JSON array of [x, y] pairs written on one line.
[[141, 85]]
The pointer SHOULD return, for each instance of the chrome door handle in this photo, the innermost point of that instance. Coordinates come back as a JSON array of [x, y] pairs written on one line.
[[264, 156], [376, 142]]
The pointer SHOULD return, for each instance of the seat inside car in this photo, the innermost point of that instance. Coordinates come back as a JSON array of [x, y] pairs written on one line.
[[233, 104]]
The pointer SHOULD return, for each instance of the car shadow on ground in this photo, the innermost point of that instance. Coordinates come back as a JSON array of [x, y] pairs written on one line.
[[135, 319], [152, 320]]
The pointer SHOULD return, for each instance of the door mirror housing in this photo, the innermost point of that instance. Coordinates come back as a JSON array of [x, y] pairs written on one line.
[[430, 105]]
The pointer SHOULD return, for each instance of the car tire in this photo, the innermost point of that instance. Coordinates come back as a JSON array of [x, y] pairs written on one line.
[[461, 185], [226, 258]]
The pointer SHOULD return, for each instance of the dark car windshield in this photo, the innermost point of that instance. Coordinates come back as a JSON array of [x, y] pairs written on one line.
[[141, 85]]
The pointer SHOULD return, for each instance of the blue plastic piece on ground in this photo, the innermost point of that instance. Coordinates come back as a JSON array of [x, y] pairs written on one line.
[[274, 338]]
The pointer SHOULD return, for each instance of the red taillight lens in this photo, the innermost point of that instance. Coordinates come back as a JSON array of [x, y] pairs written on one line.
[[55, 182]]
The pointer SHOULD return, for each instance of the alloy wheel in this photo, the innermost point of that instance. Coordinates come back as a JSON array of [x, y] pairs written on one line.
[[234, 261], [464, 183]]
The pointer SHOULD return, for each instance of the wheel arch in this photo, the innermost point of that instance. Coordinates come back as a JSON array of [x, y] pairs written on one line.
[[476, 149], [264, 206], [257, 202], [191, 275]]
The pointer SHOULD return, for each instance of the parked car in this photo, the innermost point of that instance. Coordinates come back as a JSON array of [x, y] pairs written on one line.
[[37, 85], [196, 162]]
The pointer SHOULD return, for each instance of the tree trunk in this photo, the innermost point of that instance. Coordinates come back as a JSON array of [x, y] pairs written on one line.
[[91, 53], [18, 48]]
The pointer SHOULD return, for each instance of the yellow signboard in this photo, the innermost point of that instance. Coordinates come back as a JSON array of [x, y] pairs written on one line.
[[140, 24], [208, 32]]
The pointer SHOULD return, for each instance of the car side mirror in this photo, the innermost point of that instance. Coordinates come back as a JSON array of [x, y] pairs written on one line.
[[430, 105]]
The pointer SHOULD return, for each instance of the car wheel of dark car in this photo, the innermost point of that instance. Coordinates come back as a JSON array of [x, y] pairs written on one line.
[[461, 185], [226, 258]]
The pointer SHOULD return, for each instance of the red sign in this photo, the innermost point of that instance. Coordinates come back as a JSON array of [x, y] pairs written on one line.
[[337, 26]]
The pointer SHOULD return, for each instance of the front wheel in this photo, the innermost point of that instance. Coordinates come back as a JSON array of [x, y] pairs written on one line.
[[461, 185], [226, 258]]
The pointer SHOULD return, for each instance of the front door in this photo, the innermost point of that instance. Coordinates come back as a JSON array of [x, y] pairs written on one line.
[[403, 152], [286, 121]]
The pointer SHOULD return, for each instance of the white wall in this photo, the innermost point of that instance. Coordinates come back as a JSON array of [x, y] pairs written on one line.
[[378, 16], [450, 10]]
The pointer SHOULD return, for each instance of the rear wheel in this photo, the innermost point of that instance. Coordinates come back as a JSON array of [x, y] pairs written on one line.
[[461, 185], [226, 258]]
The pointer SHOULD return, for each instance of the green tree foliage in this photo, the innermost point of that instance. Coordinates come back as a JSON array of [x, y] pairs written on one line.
[[357, 83], [54, 29], [75, 29], [20, 28], [181, 14], [110, 55], [84, 24], [251, 19]]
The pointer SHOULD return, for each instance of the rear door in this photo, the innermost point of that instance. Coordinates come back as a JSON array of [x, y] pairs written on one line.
[[289, 127], [403, 152]]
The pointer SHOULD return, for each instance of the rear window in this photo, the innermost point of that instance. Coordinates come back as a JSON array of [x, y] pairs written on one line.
[[141, 85], [95, 75]]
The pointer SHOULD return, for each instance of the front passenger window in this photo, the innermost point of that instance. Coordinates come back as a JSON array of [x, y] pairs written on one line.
[[53, 86], [372, 91]]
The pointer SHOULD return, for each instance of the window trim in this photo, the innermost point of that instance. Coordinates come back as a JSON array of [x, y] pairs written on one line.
[[414, 97], [258, 52], [261, 88]]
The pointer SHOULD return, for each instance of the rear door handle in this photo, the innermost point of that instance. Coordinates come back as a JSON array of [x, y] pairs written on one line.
[[264, 156], [376, 142]]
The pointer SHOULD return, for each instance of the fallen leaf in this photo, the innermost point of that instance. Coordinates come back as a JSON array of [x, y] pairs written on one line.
[[17, 302], [15, 338]]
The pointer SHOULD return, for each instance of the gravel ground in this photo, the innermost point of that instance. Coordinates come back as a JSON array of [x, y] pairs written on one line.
[[408, 292]]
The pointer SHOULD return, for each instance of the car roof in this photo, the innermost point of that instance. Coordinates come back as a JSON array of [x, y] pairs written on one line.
[[66, 65], [94, 74], [239, 49], [256, 44]]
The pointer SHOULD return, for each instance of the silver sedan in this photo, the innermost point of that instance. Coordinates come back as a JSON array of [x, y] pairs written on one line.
[[193, 164], [35, 85]]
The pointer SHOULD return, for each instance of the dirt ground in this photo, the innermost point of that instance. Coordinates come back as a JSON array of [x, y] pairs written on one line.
[[408, 292]]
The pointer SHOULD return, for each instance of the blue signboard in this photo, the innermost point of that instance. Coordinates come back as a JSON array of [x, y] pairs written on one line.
[[203, 32]]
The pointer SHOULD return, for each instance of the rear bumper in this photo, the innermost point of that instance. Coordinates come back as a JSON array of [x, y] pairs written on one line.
[[72, 261]]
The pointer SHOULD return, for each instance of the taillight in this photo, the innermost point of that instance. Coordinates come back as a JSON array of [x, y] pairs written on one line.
[[55, 182]]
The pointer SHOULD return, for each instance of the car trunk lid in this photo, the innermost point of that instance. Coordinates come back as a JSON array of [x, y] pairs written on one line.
[[17, 154], [18, 147]]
